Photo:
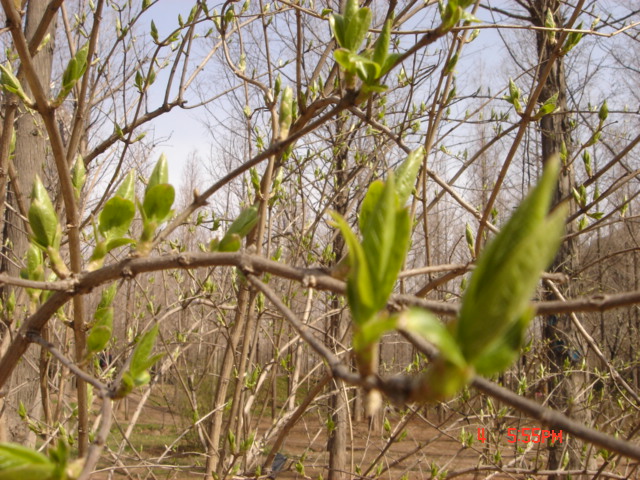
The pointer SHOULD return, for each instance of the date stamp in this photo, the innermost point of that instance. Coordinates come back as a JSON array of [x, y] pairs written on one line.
[[526, 435]]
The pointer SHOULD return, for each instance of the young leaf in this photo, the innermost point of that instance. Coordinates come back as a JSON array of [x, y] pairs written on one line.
[[158, 201], [603, 113], [239, 229], [572, 40], [127, 189], [406, 175], [381, 48], [549, 22], [350, 29], [367, 334], [369, 203], [76, 68], [160, 173], [401, 241], [505, 350], [116, 217], [378, 234], [18, 462], [142, 360], [508, 269], [360, 290], [12, 85], [427, 325], [101, 331]]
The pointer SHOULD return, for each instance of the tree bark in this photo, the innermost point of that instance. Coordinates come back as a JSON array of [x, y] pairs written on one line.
[[338, 404], [30, 158]]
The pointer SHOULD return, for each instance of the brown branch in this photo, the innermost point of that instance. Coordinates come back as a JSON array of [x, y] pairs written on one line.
[[43, 26], [252, 264], [274, 149], [61, 285], [402, 387]]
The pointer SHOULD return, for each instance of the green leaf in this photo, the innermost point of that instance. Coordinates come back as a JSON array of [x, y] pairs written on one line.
[[127, 189], [360, 291], [229, 243], [74, 71], [505, 350], [345, 59], [108, 294], [508, 269], [18, 462], [450, 15], [514, 91], [401, 242], [154, 32], [370, 332], [141, 360], [158, 201], [34, 263], [427, 325], [381, 48], [336, 22], [351, 28], [116, 217], [101, 331], [245, 222], [160, 173], [451, 64], [406, 175], [114, 243], [367, 70], [370, 202], [389, 63], [586, 160], [548, 107], [378, 234], [572, 40], [549, 22], [471, 242], [12, 85]]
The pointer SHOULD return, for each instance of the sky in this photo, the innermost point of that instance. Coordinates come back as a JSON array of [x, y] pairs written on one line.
[[181, 130]]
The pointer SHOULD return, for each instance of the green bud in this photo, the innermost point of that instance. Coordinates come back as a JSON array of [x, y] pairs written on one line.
[[12, 85], [550, 22], [127, 189], [603, 113], [471, 243], [42, 217], [160, 173], [78, 176], [286, 112]]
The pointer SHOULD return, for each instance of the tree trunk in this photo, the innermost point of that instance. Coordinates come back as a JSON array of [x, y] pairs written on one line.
[[558, 330], [338, 404], [29, 159]]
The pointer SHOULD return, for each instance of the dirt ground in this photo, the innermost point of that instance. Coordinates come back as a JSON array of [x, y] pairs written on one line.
[[423, 452]]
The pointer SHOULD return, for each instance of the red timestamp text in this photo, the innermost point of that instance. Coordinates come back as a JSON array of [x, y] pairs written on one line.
[[526, 435]]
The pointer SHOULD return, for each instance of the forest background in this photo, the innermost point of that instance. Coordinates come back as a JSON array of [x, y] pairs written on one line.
[[340, 229]]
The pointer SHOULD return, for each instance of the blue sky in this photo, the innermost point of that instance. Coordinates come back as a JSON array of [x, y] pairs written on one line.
[[181, 130]]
